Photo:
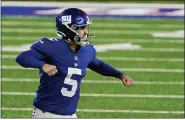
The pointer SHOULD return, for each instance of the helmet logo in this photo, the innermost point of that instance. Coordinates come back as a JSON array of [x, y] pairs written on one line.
[[80, 20], [66, 19]]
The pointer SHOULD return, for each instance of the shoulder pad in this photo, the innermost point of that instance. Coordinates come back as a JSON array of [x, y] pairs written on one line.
[[43, 45]]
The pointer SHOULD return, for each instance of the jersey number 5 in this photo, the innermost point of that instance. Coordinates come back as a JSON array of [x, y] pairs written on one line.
[[72, 82]]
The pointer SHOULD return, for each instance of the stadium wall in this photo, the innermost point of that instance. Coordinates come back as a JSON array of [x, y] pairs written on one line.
[[114, 1], [105, 10]]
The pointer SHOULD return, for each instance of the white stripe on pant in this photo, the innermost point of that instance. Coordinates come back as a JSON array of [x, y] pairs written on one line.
[[37, 113]]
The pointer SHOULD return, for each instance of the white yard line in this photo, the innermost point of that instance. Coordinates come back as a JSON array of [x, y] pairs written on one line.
[[121, 59], [122, 69], [8, 56], [105, 40], [104, 95], [160, 49], [117, 40], [142, 59], [144, 40], [100, 32], [102, 48], [98, 81], [150, 70], [130, 111], [103, 111], [97, 24], [16, 68]]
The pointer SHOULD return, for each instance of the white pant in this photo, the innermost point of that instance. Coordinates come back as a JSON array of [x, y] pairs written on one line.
[[37, 113]]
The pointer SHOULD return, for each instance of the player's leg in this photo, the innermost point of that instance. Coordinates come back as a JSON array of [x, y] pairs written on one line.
[[37, 113]]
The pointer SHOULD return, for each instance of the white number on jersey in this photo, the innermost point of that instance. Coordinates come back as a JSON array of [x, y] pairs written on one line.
[[71, 82]]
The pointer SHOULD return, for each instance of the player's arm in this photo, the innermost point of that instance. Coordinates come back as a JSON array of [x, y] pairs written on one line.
[[31, 58], [35, 59], [104, 68], [107, 70]]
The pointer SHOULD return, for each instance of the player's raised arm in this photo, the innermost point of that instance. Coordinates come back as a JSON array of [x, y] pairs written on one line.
[[107, 70]]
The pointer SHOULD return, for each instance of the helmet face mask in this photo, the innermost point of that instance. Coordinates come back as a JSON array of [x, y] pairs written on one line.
[[84, 32], [73, 25]]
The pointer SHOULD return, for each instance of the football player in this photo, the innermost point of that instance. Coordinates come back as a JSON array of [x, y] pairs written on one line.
[[62, 62]]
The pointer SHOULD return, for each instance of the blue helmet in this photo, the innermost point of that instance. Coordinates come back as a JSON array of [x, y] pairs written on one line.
[[69, 21]]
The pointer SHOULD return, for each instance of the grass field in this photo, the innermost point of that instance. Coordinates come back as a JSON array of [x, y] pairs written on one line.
[[157, 69]]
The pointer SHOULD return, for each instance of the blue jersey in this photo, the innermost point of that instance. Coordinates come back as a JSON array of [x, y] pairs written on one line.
[[60, 93]]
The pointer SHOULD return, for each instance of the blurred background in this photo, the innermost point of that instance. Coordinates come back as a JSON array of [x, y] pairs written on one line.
[[113, 1], [144, 39]]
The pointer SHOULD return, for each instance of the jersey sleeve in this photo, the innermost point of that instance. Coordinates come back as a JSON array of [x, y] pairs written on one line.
[[34, 57], [30, 58], [103, 68]]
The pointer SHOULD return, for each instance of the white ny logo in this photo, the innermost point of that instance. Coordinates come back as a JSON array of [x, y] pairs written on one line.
[[66, 19]]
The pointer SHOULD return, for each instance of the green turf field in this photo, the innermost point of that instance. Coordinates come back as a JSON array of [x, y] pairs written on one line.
[[157, 68]]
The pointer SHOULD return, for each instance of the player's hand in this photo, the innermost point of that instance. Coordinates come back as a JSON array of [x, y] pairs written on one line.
[[49, 69], [127, 81]]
